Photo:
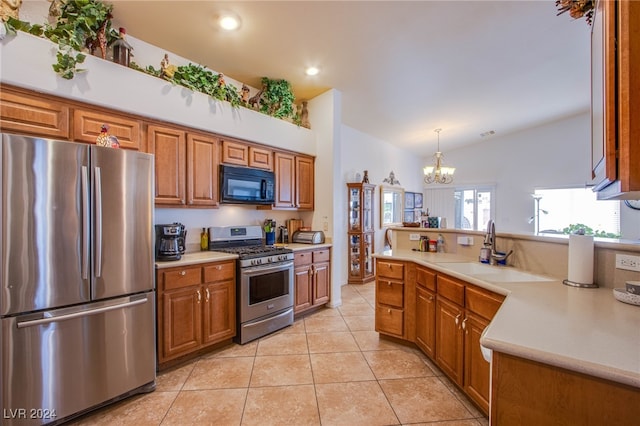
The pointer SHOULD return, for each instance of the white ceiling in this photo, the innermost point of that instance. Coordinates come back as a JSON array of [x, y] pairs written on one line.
[[404, 68]]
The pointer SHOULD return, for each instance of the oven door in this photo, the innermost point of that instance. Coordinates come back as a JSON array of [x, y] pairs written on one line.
[[264, 290]]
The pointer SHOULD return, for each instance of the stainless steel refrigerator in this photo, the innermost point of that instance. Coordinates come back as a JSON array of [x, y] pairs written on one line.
[[77, 294]]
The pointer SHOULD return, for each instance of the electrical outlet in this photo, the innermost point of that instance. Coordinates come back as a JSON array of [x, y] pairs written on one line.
[[628, 262], [325, 226], [414, 237]]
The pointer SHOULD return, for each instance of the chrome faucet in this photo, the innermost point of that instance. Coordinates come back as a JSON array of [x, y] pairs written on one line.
[[490, 241]]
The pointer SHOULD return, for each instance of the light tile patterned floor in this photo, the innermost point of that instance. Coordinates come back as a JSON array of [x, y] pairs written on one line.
[[330, 368]]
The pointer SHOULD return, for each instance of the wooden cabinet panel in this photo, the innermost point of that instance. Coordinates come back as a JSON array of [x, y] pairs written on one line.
[[168, 146], [222, 271], [202, 178], [393, 270], [390, 292], [426, 321], [87, 125], [425, 278], [33, 115], [235, 153], [321, 272], [451, 288], [285, 180], [390, 320], [312, 279], [219, 311], [449, 339], [477, 371], [178, 278], [482, 302], [304, 183], [303, 289], [182, 324], [260, 158]]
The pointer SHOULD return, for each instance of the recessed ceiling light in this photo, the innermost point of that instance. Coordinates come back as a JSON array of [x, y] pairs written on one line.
[[312, 71], [229, 22]]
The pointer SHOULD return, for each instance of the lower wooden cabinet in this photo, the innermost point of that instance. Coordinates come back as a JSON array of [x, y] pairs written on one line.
[[450, 339], [196, 308], [390, 298], [426, 321], [312, 279]]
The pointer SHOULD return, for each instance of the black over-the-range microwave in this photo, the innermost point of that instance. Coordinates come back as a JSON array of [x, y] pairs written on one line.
[[245, 185]]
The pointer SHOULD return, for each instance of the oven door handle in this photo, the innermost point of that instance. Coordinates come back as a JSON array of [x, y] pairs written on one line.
[[265, 269]]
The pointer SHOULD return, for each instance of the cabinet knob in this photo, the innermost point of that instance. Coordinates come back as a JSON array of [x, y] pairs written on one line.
[[430, 298], [388, 311], [458, 319], [219, 267], [464, 325], [183, 273], [199, 296], [389, 283], [208, 295]]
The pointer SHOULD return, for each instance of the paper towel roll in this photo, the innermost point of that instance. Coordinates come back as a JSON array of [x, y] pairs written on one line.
[[581, 259]]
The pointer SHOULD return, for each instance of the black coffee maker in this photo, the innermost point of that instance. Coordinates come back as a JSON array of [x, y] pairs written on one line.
[[170, 241]]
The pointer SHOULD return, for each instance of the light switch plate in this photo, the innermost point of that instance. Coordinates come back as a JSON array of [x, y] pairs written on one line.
[[414, 237]]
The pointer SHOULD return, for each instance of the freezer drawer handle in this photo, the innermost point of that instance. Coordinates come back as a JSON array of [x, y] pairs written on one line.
[[80, 314]]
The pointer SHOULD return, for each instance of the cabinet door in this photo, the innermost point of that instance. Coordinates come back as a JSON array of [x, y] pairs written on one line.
[[449, 339], [321, 279], [476, 370], [260, 158], [87, 125], [202, 166], [169, 148], [303, 288], [285, 180], [426, 321], [219, 311], [235, 153], [304, 183], [33, 115], [181, 322]]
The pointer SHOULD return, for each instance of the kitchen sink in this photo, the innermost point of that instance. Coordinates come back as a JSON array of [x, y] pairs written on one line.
[[496, 274]]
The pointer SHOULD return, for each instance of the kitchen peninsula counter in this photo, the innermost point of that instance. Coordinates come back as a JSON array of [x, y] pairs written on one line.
[[582, 330]]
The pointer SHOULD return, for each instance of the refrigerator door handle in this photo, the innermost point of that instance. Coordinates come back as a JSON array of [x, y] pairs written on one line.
[[85, 223], [78, 314], [98, 218]]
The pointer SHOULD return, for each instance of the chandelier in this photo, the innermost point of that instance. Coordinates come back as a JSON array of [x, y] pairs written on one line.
[[438, 173]]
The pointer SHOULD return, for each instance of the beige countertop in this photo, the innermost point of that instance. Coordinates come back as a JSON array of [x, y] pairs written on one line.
[[215, 256], [583, 330]]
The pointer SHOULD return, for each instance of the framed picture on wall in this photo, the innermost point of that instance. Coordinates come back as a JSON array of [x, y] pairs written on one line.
[[408, 200], [417, 200], [409, 216]]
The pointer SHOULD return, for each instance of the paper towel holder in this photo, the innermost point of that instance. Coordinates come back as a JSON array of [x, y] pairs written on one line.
[[581, 285]]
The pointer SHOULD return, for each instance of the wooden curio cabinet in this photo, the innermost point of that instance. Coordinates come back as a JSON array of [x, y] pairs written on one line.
[[360, 233]]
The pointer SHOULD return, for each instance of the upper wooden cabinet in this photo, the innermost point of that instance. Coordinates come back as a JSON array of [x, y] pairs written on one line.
[[294, 181], [243, 154], [615, 53], [31, 114], [202, 170], [87, 125], [168, 145]]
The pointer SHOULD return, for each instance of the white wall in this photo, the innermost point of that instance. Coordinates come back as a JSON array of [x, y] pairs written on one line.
[[359, 152], [553, 155]]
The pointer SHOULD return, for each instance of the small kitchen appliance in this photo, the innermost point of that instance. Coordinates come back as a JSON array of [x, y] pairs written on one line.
[[170, 241], [308, 237], [264, 280]]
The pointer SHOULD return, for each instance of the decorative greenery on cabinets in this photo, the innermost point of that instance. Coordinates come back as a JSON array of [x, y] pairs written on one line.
[[277, 98], [79, 25]]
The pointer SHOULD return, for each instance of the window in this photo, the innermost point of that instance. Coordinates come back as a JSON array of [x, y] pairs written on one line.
[[560, 211], [473, 208]]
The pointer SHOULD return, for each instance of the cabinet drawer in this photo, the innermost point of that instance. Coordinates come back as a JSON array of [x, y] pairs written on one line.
[[235, 153], [450, 289], [260, 158], [425, 278], [321, 256], [390, 293], [483, 302], [390, 269], [390, 320], [182, 278], [219, 272], [302, 258], [87, 126], [34, 115]]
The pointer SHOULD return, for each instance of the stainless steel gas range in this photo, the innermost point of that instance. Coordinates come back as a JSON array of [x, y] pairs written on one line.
[[264, 287]]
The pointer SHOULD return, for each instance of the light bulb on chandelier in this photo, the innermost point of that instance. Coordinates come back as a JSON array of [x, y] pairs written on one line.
[[438, 173]]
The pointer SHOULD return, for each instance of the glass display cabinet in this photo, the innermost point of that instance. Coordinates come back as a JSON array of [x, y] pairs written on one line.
[[360, 232]]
